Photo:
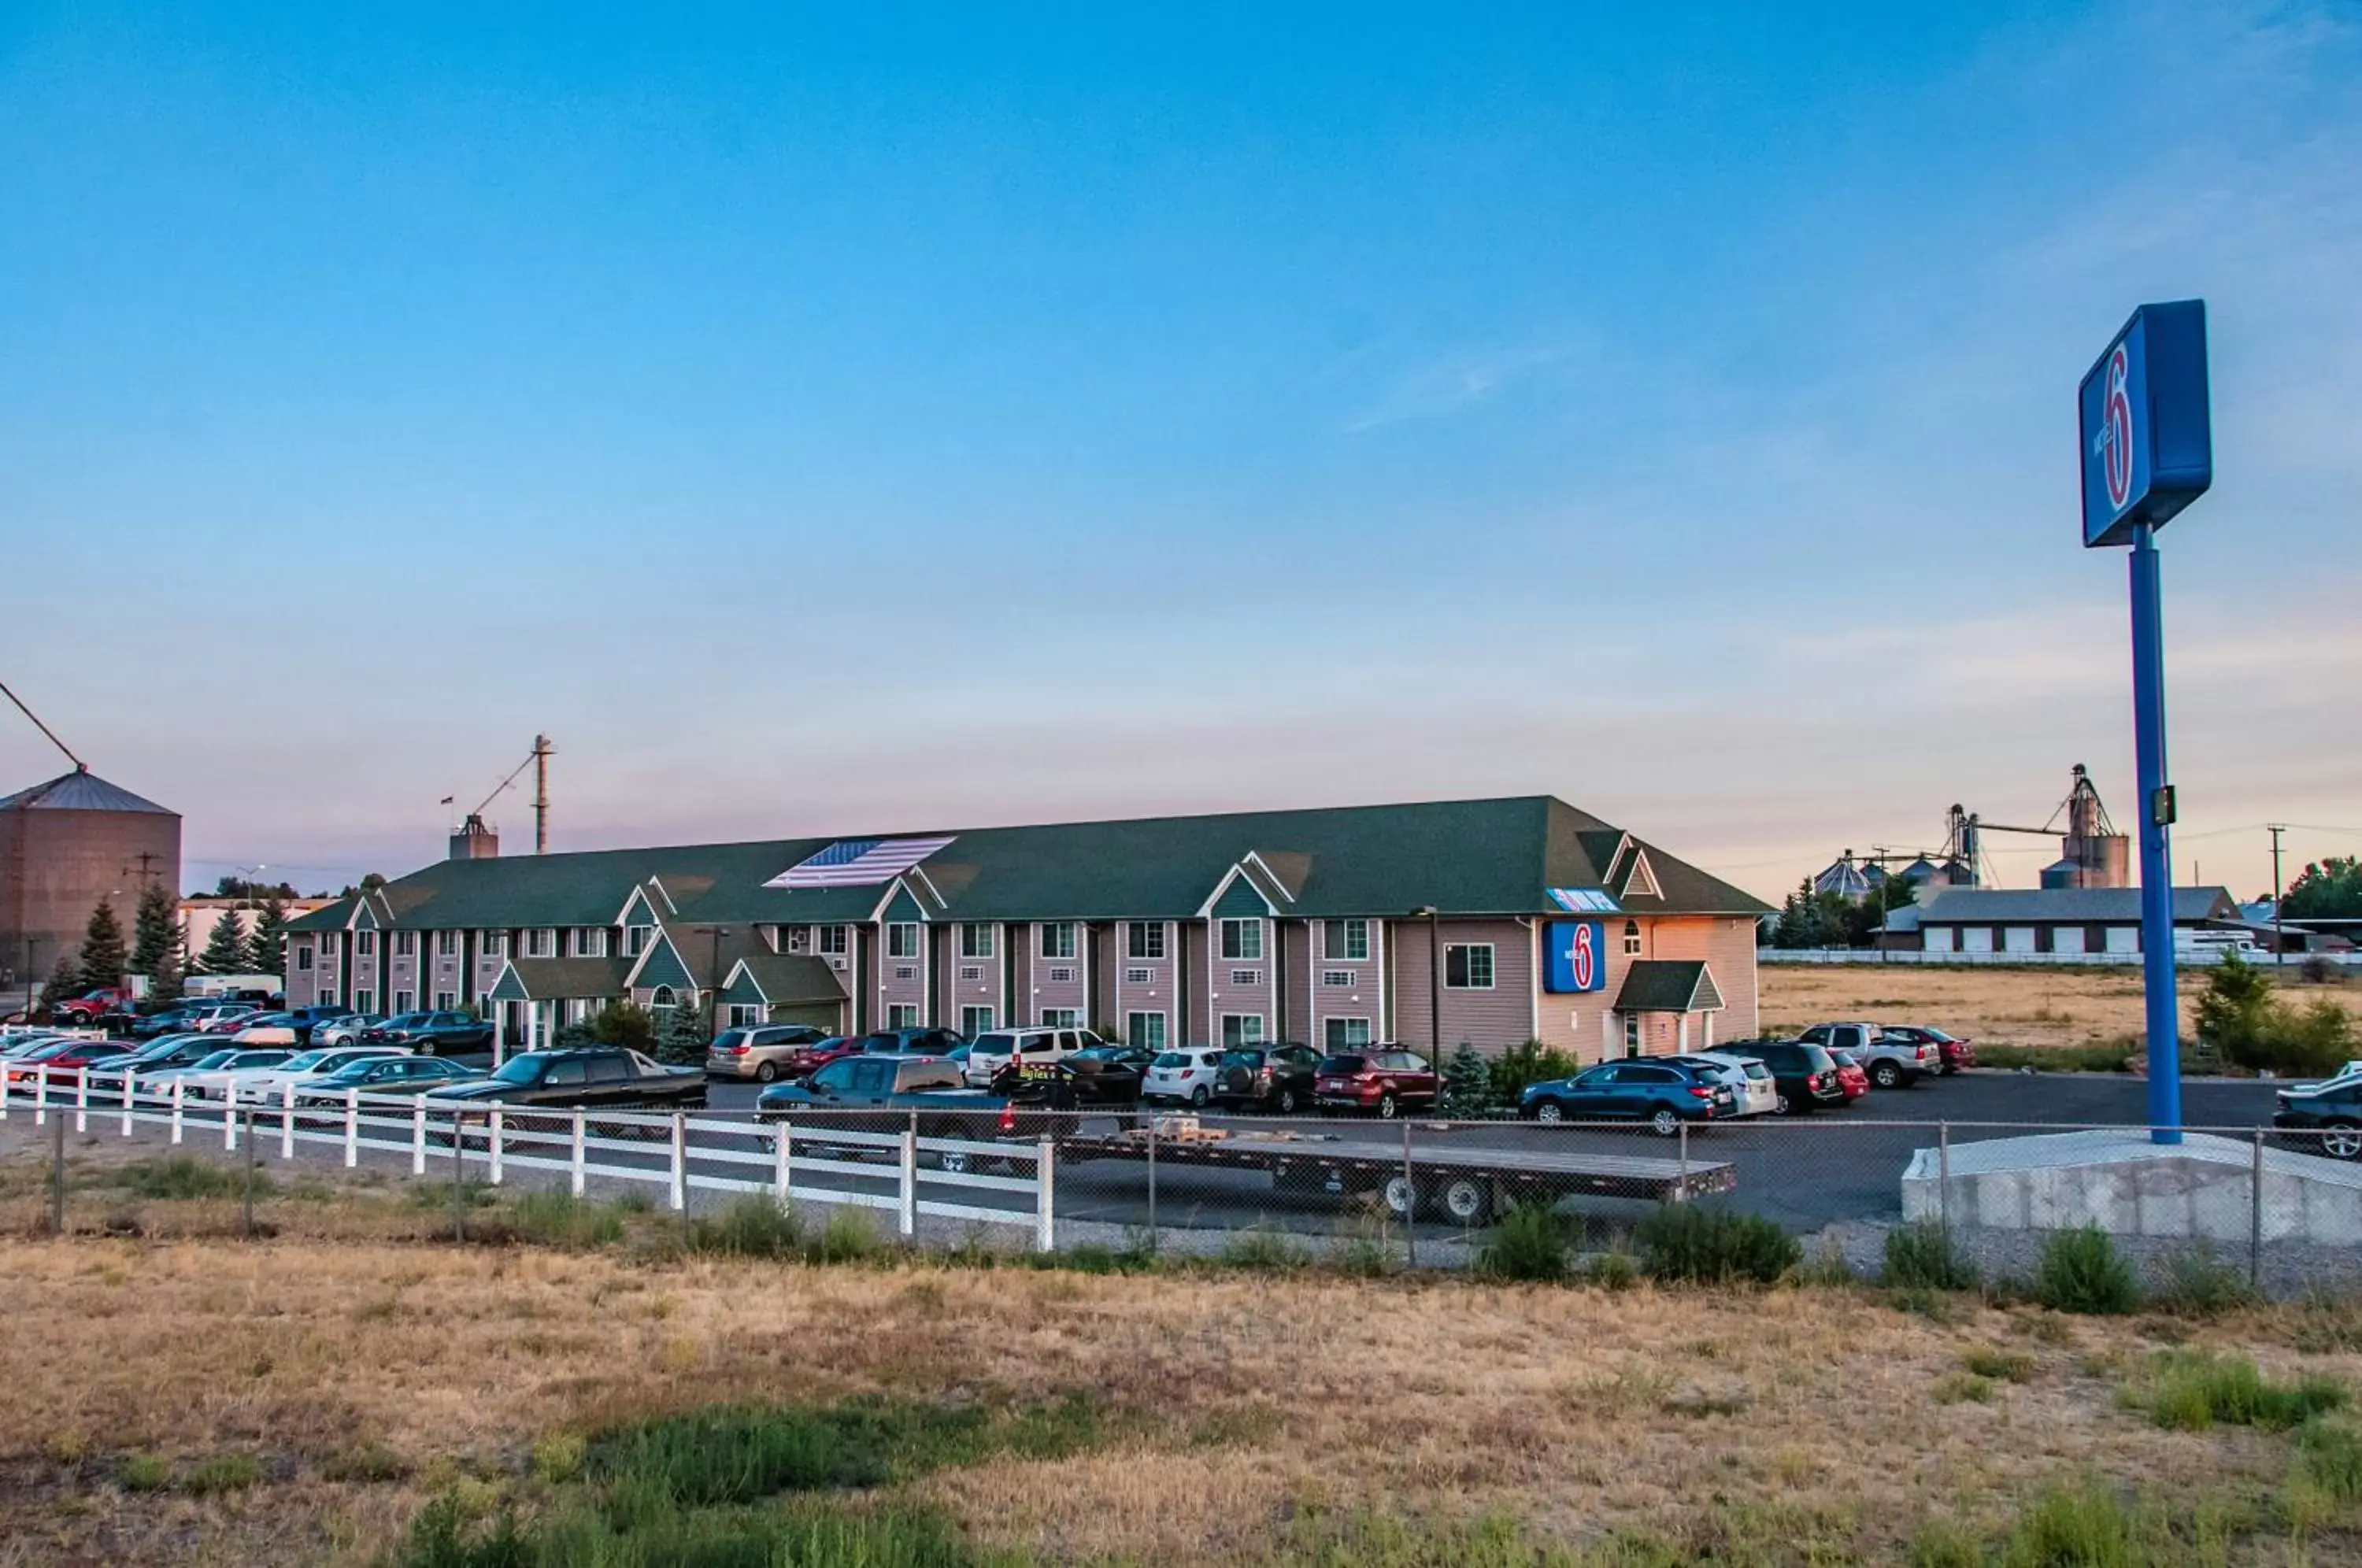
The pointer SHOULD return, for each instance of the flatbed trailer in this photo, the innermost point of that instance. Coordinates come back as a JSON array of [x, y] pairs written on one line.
[[1467, 1183]]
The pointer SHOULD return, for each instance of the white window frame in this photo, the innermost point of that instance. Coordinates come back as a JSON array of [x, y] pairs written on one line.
[[492, 945], [541, 942], [446, 1001], [901, 1015], [402, 1001], [1467, 968], [1632, 1042], [745, 1015], [1062, 1018], [1145, 940], [1137, 1024], [590, 942], [832, 941], [447, 945], [977, 940], [1633, 944], [303, 955], [1057, 939], [364, 1002], [1352, 943], [977, 1018], [902, 940], [1235, 930], [664, 996], [1328, 1033], [406, 943], [636, 939], [1245, 1035]]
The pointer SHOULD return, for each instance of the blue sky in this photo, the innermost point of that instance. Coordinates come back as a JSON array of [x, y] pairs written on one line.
[[823, 422]]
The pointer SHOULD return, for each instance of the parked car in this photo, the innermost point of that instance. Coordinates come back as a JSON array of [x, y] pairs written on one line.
[[13, 1046], [1664, 1092], [2328, 1115], [64, 1059], [1851, 1079], [269, 1085], [267, 1028], [1277, 1077], [177, 1018], [1805, 1075], [384, 1076], [601, 1076], [1108, 1075], [1751, 1087], [759, 1052], [802, 1061], [1184, 1074], [227, 1018], [309, 1018], [164, 1051], [432, 1034], [1384, 1081], [938, 1043], [206, 1080], [1892, 1063], [344, 1031], [1952, 1052], [873, 1093], [1031, 1049], [93, 1007]]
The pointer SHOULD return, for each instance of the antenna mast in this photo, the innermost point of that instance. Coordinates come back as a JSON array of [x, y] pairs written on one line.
[[541, 750], [80, 765]]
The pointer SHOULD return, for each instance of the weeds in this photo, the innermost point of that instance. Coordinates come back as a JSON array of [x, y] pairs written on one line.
[[1264, 1252], [1992, 1361], [562, 1219], [186, 1176], [1612, 1271], [221, 1473], [749, 1226], [1922, 1257], [1954, 1388], [2191, 1391], [1528, 1244], [2197, 1283], [1681, 1244], [2081, 1272]]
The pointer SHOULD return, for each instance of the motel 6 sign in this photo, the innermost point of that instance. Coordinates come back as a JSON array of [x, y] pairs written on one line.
[[1578, 957], [2148, 444]]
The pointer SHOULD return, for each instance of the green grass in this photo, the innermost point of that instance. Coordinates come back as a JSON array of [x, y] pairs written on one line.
[[2081, 1272], [1922, 1257], [1992, 1361], [2197, 1283], [184, 1177], [1263, 1250], [750, 1226], [221, 1473], [562, 1219], [1684, 1245], [144, 1472], [2191, 1391], [1956, 1387], [1528, 1244]]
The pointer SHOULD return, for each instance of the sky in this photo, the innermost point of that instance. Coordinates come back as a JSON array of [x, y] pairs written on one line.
[[834, 419]]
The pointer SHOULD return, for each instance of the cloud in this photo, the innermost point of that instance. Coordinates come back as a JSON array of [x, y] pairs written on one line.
[[1457, 384]]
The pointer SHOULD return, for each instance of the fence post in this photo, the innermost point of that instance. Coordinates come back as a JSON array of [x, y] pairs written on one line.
[[58, 1178], [1681, 1192], [1045, 1202], [178, 1086], [680, 1161], [40, 1096], [81, 1101], [2256, 1219], [578, 1171], [910, 1215], [352, 1127], [230, 1119], [459, 1176], [1152, 1184], [4, 1094], [231, 1111], [1943, 1177], [781, 1190], [492, 1123], [1411, 1203], [287, 1121], [418, 1136], [128, 1077]]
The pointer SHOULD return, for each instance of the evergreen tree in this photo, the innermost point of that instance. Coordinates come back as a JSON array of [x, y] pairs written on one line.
[[1467, 1086], [2236, 1013], [164, 985], [155, 932], [226, 952], [65, 981], [105, 960], [267, 946], [681, 1035]]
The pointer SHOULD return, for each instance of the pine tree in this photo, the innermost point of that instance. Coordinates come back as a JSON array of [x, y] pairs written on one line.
[[105, 960], [682, 1034], [226, 952], [65, 980], [266, 948], [1467, 1086], [155, 932]]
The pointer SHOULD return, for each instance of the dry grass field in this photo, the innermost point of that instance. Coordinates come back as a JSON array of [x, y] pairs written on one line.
[[175, 1395], [2031, 1006]]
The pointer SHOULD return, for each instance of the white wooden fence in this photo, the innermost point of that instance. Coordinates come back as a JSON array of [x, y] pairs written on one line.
[[791, 1164]]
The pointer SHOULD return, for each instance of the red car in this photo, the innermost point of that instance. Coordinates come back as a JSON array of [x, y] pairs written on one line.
[[1385, 1081], [806, 1060], [92, 1005], [65, 1060], [1851, 1079], [1954, 1052]]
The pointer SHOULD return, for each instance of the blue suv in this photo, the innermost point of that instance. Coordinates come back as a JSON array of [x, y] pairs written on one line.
[[1663, 1094]]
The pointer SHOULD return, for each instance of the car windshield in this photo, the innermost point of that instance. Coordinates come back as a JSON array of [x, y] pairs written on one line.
[[1098, 1054], [1937, 1035], [729, 1037], [219, 1059], [525, 1070], [308, 1059]]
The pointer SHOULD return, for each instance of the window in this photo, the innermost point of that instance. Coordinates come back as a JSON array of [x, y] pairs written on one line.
[[365, 1002], [302, 955], [445, 1002], [901, 1015], [1468, 967], [402, 1001], [976, 941], [1058, 939], [974, 1020], [971, 971], [1632, 938], [798, 938], [635, 939], [1062, 974], [902, 940], [1345, 1034], [1339, 977], [831, 941], [1144, 939], [1138, 977], [591, 942], [664, 996], [744, 1015], [447, 945], [1345, 939], [1241, 1028], [1061, 1017], [493, 943], [1145, 1030], [1631, 1034], [1246, 976], [364, 942], [541, 942], [1242, 939], [406, 943], [906, 971]]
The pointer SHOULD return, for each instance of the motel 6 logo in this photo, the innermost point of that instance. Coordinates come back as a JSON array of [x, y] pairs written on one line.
[[1583, 953], [2116, 430]]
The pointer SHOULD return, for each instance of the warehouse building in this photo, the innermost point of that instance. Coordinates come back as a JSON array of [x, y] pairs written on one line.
[[2047, 920], [65, 846], [1489, 921]]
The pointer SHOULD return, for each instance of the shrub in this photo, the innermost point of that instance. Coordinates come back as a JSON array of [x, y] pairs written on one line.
[[2239, 1019], [2197, 1283], [848, 1237], [1530, 1243], [1531, 1063], [144, 1472], [1682, 1243], [1262, 1250], [1468, 1086], [2329, 1458], [1612, 1271], [1922, 1257], [2191, 1391], [1992, 1361], [562, 1219], [2319, 971], [186, 1176], [2082, 1271], [749, 1226], [221, 1473]]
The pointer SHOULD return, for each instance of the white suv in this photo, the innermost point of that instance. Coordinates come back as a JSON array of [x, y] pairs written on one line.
[[1032, 1048], [1182, 1075]]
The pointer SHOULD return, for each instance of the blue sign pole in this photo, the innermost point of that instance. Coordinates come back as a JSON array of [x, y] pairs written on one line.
[[2163, 1007]]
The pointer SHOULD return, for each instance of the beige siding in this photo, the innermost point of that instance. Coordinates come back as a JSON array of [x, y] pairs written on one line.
[[902, 982], [1360, 999], [1143, 985], [1492, 1021], [1728, 948], [1045, 987], [1226, 994], [1191, 936]]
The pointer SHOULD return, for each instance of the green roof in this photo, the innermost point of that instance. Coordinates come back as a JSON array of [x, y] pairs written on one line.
[[1465, 857], [1668, 985], [784, 980], [548, 980]]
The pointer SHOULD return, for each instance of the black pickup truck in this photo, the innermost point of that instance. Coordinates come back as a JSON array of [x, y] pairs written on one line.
[[881, 1094], [593, 1077]]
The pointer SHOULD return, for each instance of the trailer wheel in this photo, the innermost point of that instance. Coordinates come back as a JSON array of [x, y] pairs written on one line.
[[953, 1161], [1468, 1201], [1400, 1198]]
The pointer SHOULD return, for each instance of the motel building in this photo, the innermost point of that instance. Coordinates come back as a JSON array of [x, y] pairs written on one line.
[[1430, 925]]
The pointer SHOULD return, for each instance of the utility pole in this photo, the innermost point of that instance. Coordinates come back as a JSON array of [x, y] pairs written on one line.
[[541, 750], [2280, 935]]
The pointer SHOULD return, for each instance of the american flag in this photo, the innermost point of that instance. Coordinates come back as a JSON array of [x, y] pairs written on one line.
[[858, 863]]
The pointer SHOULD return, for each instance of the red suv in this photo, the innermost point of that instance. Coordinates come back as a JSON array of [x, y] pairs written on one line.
[[1955, 1052], [1385, 1080], [803, 1061]]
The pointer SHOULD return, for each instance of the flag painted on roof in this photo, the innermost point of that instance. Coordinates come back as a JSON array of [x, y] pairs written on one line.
[[1584, 900], [858, 863]]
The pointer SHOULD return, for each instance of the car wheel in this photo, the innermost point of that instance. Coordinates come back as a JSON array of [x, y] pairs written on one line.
[[1467, 1200], [1886, 1074], [1388, 1109], [1200, 1097], [767, 1072], [1664, 1122], [1285, 1102], [1783, 1104], [1550, 1112], [2342, 1141]]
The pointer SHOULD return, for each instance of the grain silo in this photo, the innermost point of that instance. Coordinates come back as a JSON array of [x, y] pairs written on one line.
[[66, 845]]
